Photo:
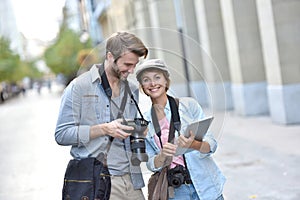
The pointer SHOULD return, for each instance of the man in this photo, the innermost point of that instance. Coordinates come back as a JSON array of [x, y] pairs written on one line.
[[93, 108]]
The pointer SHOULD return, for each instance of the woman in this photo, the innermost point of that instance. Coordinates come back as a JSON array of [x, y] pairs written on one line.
[[202, 179]]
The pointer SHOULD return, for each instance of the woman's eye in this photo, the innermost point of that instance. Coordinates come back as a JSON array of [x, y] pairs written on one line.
[[157, 78], [145, 80]]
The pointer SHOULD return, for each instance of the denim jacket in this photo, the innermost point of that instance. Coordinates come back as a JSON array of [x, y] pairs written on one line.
[[84, 104], [207, 178]]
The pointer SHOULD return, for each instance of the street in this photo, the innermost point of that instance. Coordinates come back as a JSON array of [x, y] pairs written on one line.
[[260, 159]]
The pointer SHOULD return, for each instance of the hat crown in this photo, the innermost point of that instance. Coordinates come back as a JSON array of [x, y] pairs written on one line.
[[153, 64]]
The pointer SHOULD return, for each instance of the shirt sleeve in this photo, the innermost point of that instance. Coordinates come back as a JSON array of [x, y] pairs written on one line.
[[68, 129]]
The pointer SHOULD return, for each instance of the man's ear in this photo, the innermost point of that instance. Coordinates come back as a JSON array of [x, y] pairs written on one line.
[[109, 55]]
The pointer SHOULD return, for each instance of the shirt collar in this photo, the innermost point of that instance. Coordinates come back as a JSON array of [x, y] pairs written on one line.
[[95, 73]]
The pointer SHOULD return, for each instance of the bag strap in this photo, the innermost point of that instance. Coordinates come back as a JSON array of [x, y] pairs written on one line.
[[175, 123]]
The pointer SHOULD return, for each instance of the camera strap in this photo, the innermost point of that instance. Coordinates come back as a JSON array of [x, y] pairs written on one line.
[[108, 91], [175, 123]]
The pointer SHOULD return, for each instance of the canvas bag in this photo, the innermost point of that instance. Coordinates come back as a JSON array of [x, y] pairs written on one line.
[[158, 185]]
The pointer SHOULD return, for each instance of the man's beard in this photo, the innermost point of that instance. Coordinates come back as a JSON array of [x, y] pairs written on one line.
[[117, 73]]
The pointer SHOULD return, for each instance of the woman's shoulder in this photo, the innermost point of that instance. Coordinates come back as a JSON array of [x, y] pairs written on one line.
[[188, 102]]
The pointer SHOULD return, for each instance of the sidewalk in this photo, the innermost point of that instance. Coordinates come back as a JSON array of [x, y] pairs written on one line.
[[259, 158]]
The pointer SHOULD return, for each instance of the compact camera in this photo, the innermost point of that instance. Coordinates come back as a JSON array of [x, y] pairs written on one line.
[[177, 176], [137, 140]]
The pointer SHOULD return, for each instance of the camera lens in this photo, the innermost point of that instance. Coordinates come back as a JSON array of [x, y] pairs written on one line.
[[177, 180], [137, 141]]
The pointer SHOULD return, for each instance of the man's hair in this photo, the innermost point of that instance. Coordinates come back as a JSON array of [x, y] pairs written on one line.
[[120, 42]]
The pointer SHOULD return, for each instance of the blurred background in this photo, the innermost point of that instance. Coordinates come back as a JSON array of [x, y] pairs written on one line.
[[239, 59]]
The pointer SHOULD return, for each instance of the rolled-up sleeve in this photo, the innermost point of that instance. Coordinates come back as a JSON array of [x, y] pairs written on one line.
[[68, 131]]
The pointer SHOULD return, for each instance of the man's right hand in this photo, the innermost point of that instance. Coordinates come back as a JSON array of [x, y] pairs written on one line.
[[114, 129]]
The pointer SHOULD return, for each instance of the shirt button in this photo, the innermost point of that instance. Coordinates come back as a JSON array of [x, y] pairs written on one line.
[[107, 106]]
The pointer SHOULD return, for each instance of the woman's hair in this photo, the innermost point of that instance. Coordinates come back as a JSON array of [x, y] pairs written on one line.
[[120, 42]]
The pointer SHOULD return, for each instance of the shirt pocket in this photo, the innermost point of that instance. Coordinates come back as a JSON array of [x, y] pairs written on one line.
[[89, 111]]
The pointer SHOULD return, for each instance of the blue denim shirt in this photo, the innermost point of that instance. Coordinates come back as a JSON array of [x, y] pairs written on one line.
[[207, 178], [84, 104]]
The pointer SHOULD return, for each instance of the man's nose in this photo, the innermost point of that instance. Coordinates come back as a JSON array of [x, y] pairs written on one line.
[[131, 70]]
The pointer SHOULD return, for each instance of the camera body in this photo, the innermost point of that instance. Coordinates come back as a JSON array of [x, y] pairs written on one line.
[[177, 176], [137, 140]]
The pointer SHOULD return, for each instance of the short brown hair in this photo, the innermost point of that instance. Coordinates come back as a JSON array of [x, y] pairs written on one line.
[[120, 42]]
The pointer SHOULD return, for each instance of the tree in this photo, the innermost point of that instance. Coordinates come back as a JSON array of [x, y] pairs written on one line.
[[12, 68], [9, 61], [61, 57]]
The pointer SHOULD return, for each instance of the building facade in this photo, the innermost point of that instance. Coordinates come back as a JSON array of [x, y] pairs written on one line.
[[229, 54]]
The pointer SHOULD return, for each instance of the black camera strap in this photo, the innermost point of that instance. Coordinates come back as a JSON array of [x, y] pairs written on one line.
[[175, 123], [108, 91]]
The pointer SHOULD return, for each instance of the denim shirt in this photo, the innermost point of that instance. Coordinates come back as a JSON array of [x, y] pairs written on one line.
[[207, 178], [84, 104]]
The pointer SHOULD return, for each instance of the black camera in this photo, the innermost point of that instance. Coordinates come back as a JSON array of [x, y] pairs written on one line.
[[137, 140], [177, 176]]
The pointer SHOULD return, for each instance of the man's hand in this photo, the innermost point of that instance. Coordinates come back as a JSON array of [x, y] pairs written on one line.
[[114, 129]]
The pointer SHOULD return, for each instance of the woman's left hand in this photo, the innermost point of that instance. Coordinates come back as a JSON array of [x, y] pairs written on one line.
[[186, 142]]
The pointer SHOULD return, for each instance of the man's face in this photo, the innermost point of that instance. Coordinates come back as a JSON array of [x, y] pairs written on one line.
[[125, 65]]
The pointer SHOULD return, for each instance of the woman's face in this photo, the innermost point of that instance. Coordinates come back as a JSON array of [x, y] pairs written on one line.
[[154, 83]]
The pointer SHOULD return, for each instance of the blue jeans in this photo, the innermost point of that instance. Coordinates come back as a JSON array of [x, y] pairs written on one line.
[[187, 192]]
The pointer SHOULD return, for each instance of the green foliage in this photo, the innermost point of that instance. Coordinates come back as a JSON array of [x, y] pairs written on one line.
[[12, 68], [9, 61], [61, 57]]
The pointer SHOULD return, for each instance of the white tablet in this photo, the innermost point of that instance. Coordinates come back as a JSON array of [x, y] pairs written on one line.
[[199, 128]]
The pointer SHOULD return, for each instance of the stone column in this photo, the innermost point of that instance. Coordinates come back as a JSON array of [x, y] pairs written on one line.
[[245, 57], [280, 33], [186, 20], [214, 54], [166, 42]]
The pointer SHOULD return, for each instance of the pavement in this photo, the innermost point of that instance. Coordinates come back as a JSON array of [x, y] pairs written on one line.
[[259, 158]]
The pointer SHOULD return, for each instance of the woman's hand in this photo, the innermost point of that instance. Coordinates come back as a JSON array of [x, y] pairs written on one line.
[[168, 149], [165, 157], [184, 142]]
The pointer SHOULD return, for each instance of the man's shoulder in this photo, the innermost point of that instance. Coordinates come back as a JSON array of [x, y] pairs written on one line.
[[87, 77]]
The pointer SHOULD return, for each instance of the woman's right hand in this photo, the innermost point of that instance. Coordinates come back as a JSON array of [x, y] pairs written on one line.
[[168, 149], [165, 156]]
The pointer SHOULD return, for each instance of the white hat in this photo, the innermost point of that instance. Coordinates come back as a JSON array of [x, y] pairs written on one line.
[[151, 64]]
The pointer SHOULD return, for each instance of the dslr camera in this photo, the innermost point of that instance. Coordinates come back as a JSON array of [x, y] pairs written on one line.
[[177, 176], [137, 140]]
